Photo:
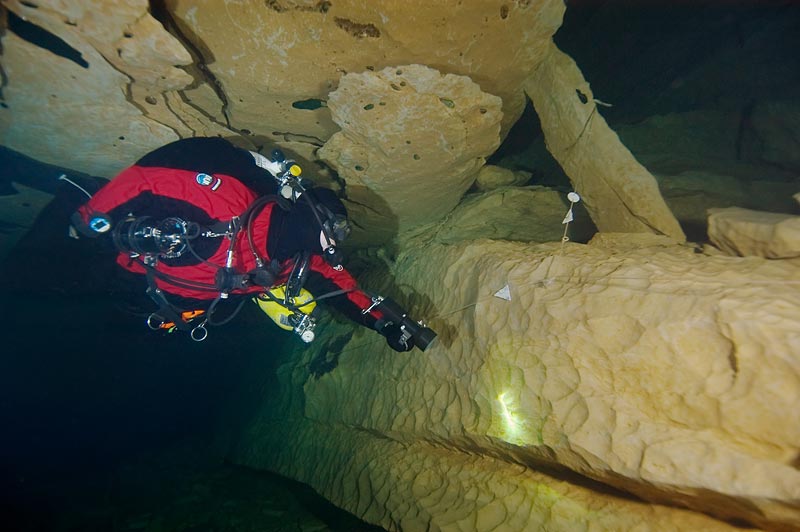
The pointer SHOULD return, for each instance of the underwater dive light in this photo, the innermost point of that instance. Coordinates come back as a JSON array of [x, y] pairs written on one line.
[[412, 330]]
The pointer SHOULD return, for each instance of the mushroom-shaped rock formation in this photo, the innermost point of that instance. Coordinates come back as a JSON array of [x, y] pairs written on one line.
[[265, 73], [629, 383], [412, 139]]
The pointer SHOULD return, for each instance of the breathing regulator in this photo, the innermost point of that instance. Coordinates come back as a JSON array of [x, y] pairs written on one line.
[[143, 235], [335, 228]]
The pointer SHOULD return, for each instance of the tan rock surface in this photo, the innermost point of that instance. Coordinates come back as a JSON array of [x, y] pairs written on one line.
[[620, 194], [267, 56], [491, 177], [526, 214], [668, 374], [412, 142], [744, 232], [96, 119], [264, 72]]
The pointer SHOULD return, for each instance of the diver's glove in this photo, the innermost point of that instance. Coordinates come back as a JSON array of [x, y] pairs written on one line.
[[397, 338]]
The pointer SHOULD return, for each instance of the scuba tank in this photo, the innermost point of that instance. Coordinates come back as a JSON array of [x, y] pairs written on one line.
[[294, 315], [290, 305]]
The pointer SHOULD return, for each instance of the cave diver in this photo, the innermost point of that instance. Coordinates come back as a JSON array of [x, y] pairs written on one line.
[[210, 225]]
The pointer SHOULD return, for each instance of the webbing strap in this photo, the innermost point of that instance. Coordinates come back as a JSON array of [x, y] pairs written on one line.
[[165, 310]]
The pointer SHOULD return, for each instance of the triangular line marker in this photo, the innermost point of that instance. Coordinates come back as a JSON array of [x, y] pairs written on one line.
[[504, 293]]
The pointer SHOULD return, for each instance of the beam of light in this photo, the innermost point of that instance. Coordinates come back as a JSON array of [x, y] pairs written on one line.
[[513, 430]]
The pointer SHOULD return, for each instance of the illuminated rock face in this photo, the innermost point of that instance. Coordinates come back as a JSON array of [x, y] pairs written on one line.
[[628, 363]]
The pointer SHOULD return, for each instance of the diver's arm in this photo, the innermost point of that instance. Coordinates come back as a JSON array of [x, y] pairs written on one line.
[[352, 302], [379, 314]]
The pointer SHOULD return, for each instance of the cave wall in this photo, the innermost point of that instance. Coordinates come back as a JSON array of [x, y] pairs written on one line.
[[311, 77], [624, 383], [634, 383]]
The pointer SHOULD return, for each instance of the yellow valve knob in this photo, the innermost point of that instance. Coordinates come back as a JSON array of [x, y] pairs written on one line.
[[295, 170]]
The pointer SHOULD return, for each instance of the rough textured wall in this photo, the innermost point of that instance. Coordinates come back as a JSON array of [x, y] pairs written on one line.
[[267, 56], [236, 68], [412, 142], [99, 105], [263, 73], [635, 365]]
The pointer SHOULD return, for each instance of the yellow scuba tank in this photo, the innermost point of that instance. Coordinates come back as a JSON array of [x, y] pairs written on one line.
[[296, 319]]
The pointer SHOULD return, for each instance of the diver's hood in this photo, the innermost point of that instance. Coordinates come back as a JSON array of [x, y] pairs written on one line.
[[300, 227]]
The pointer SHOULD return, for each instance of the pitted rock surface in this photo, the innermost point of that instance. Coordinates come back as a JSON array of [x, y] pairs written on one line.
[[455, 127], [265, 73]]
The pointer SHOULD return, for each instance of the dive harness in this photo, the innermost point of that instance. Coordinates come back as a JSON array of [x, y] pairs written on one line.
[[147, 240]]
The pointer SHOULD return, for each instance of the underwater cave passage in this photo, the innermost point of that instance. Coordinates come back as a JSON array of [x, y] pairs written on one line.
[[44, 39]]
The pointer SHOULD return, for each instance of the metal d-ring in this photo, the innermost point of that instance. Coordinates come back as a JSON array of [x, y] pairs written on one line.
[[151, 321], [200, 332]]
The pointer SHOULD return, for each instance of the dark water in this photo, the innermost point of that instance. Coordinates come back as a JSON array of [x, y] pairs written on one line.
[[107, 425]]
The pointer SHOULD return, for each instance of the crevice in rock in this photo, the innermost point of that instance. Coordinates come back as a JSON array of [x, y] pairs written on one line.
[[202, 56], [294, 137], [322, 6], [734, 362], [42, 38], [357, 29], [178, 116]]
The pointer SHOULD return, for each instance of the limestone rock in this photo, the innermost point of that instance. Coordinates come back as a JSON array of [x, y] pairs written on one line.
[[89, 111], [690, 194], [664, 373], [632, 242], [276, 62], [774, 126], [525, 214], [745, 232], [491, 177], [620, 194], [412, 142], [260, 70]]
